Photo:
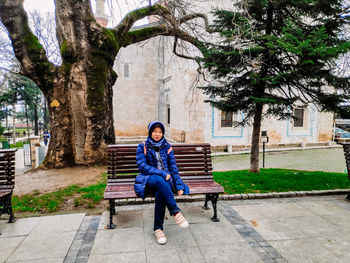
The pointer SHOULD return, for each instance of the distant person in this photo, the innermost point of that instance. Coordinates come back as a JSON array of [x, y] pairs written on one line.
[[46, 137], [159, 175]]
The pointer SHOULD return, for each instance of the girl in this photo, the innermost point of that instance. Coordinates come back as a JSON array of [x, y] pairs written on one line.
[[159, 175]]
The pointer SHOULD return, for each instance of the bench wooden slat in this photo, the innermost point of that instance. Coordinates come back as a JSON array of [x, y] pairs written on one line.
[[7, 173], [132, 162], [127, 190], [2, 194], [125, 171], [6, 186]]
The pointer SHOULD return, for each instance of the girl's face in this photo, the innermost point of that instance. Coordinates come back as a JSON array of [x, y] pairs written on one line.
[[157, 134]]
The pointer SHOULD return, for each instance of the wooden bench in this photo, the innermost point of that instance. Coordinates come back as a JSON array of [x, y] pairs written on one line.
[[7, 181], [195, 169]]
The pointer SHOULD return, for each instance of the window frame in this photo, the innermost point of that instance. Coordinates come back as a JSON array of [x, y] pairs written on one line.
[[299, 122], [226, 119]]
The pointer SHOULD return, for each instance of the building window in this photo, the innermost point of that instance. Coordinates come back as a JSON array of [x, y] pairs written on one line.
[[126, 71], [168, 114], [226, 119], [299, 117]]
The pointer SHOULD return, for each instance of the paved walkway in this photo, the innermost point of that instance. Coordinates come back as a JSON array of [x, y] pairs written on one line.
[[328, 159], [308, 229]]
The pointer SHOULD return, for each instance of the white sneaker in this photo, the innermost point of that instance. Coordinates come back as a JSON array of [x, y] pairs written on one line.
[[160, 236], [180, 220]]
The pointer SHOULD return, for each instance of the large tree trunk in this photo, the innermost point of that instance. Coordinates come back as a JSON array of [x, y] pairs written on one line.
[[254, 151], [81, 128]]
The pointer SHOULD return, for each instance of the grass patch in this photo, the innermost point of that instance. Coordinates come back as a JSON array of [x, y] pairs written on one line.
[[19, 144], [279, 180], [52, 202]]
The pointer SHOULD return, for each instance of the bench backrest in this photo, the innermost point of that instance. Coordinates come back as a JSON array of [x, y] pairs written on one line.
[[193, 162], [7, 168]]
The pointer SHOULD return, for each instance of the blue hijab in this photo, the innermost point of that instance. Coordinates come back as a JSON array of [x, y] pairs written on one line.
[[151, 127]]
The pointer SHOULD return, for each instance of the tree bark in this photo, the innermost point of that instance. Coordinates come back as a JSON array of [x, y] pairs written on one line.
[[36, 128], [27, 119], [79, 92], [254, 151], [255, 144], [45, 116], [14, 123]]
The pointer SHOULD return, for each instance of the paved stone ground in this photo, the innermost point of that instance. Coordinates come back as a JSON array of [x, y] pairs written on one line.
[[319, 159], [307, 229]]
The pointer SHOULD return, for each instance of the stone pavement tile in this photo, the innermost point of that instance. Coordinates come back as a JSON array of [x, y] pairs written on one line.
[[324, 208], [272, 210], [123, 219], [8, 245], [148, 218], [40, 246], [345, 204], [233, 252], [59, 223], [342, 220], [295, 227], [175, 255], [22, 227], [196, 214], [193, 212], [215, 233], [308, 250], [176, 238], [46, 260], [133, 257], [339, 247], [118, 240]]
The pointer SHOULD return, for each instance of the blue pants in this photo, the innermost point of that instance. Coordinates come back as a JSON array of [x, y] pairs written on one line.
[[164, 197]]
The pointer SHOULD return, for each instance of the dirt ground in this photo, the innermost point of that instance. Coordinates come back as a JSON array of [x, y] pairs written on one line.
[[44, 181]]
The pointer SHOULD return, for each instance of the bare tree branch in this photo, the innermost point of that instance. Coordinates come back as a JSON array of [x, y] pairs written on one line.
[[128, 21], [197, 15], [26, 46]]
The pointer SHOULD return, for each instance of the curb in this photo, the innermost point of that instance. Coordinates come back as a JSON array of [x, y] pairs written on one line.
[[197, 198]]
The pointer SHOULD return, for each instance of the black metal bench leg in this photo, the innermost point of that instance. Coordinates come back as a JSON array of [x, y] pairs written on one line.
[[207, 198], [9, 210], [214, 201], [6, 203], [348, 197], [111, 213]]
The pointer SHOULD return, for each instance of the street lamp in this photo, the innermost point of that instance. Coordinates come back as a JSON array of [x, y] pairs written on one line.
[[264, 139]]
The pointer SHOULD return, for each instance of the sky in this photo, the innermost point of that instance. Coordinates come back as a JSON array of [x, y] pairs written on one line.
[[119, 8]]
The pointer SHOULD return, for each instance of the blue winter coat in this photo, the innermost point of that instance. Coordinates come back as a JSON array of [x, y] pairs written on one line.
[[147, 164]]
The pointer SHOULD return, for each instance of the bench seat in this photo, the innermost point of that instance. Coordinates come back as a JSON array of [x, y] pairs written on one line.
[[194, 164], [127, 190]]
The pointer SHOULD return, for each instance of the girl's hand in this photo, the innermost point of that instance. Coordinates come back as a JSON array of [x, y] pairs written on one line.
[[167, 177], [180, 192]]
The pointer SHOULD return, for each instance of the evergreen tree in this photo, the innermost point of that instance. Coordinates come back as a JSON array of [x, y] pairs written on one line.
[[21, 88], [274, 54]]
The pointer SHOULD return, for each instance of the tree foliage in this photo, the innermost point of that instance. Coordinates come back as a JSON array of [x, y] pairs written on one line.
[[274, 54]]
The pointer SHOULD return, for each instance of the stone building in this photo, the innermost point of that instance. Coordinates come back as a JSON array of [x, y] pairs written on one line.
[[154, 84]]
